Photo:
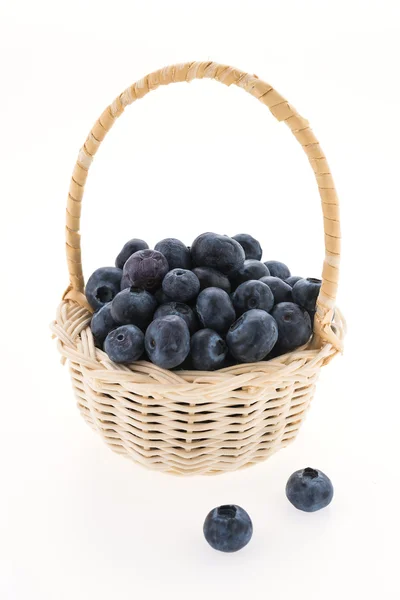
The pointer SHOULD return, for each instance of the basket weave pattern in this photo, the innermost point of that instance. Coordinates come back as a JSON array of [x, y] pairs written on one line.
[[192, 422]]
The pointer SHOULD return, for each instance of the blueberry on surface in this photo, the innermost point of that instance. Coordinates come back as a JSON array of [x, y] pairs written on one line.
[[306, 291], [278, 269], [181, 285], [281, 290], [135, 306], [251, 269], [101, 324], [309, 490], [252, 294], [102, 286], [292, 280], [294, 326], [208, 350], [129, 248], [215, 309], [219, 252], [167, 341], [180, 310], [252, 336], [251, 246], [146, 269], [228, 528], [176, 253], [124, 344], [209, 277]]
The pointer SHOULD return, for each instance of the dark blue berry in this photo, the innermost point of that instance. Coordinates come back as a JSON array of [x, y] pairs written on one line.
[[219, 252], [176, 253], [292, 280], [146, 269], [251, 269], [252, 294], [281, 290], [278, 269], [135, 306], [181, 285], [124, 344], [180, 310], [101, 324], [251, 246], [306, 291], [252, 336], [228, 528], [215, 309], [209, 277], [294, 326], [309, 490], [130, 248], [208, 350], [167, 341], [102, 286]]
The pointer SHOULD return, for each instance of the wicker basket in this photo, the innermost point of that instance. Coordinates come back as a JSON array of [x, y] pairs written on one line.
[[192, 422]]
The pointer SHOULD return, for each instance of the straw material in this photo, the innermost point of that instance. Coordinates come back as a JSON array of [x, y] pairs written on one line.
[[197, 422]]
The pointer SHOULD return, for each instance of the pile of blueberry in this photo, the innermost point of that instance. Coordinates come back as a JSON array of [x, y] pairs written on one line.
[[204, 307]]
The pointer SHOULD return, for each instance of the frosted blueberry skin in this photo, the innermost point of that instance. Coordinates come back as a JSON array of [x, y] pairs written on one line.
[[209, 277], [252, 294], [218, 252], [181, 285], [228, 528], [215, 310], [305, 293], [309, 490], [167, 341], [292, 280], [252, 336], [176, 253], [180, 310], [146, 269], [133, 306], [281, 290], [250, 245], [102, 286], [294, 326], [208, 350], [129, 248], [124, 344], [251, 269], [278, 269], [101, 324]]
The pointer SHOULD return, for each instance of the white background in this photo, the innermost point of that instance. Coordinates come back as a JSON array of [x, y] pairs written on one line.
[[77, 521]]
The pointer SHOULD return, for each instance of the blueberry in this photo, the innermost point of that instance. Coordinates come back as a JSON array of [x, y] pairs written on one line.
[[167, 341], [176, 253], [209, 277], [251, 269], [251, 247], [252, 294], [277, 269], [294, 326], [208, 350], [292, 280], [135, 306], [252, 336], [309, 490], [146, 269], [102, 286], [228, 528], [219, 252], [306, 291], [181, 285], [180, 310], [215, 309], [130, 248], [281, 290], [125, 344], [101, 324]]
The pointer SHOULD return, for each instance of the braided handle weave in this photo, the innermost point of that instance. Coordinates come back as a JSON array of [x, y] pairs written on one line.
[[280, 109]]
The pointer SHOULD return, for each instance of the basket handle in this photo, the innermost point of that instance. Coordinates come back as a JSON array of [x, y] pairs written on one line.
[[281, 110]]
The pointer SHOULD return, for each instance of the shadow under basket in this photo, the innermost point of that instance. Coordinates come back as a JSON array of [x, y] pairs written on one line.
[[192, 422]]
